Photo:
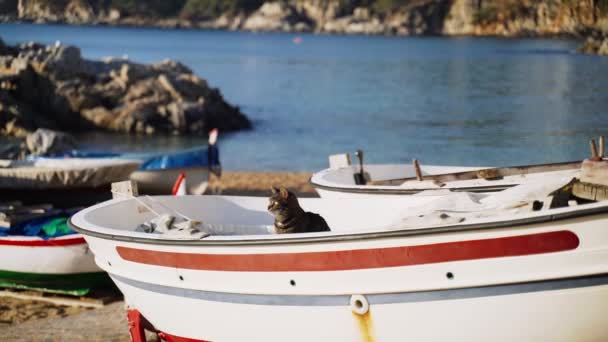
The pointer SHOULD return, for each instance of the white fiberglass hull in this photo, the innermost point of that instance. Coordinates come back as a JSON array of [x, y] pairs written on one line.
[[530, 278], [388, 180], [340, 183], [64, 255], [162, 181], [570, 314], [61, 265]]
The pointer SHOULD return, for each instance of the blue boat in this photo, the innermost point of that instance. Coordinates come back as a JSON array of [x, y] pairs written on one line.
[[159, 171]]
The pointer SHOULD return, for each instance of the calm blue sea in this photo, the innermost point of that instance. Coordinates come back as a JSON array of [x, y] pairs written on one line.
[[466, 101]]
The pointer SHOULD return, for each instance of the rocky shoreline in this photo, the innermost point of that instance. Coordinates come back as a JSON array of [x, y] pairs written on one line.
[[595, 44], [507, 18], [54, 87]]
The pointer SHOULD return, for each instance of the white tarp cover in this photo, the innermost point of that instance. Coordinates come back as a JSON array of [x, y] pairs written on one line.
[[60, 173], [463, 206]]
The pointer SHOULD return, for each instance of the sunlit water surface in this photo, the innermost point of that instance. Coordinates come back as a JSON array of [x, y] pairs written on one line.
[[442, 100]]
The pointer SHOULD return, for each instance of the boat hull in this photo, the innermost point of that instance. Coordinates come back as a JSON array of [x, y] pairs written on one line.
[[517, 280], [390, 180], [573, 314], [339, 183], [64, 265], [162, 181], [75, 284]]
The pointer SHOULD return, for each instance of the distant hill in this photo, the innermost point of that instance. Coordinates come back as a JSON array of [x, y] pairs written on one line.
[[388, 17]]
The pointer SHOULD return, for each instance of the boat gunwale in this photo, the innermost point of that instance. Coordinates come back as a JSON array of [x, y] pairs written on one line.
[[397, 190], [368, 235]]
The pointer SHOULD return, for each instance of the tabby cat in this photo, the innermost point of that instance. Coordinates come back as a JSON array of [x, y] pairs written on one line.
[[289, 217]]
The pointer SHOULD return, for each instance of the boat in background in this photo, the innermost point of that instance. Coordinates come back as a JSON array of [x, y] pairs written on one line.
[[392, 268], [58, 265], [64, 183], [38, 251], [343, 180], [159, 170]]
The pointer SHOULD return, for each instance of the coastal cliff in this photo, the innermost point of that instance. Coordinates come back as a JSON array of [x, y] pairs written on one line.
[[54, 87], [386, 17]]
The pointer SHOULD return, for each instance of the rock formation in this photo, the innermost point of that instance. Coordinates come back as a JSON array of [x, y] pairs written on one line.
[[595, 44], [54, 87], [400, 17]]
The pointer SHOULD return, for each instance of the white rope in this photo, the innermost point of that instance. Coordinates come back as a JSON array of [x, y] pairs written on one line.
[[156, 202], [138, 200], [168, 208]]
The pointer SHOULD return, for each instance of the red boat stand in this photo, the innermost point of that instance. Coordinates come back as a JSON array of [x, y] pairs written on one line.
[[138, 324]]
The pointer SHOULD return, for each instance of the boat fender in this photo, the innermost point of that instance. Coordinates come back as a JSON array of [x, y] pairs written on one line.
[[359, 304]]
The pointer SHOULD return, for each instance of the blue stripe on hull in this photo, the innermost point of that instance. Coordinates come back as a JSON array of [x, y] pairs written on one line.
[[384, 298]]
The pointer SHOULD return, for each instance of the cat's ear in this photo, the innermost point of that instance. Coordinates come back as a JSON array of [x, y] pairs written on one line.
[[284, 192], [274, 190]]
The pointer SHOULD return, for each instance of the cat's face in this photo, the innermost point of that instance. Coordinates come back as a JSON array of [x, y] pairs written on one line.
[[278, 203]]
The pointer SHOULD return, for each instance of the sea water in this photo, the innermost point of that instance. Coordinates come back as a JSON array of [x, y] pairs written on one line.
[[458, 101]]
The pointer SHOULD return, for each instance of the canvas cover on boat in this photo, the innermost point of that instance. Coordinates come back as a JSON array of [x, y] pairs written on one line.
[[457, 207], [44, 173], [44, 227], [194, 157], [188, 158]]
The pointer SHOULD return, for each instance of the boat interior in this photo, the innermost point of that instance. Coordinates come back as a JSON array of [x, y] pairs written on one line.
[[380, 174], [400, 176], [234, 217]]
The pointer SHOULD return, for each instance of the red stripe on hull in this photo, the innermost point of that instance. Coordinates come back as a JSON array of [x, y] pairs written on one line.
[[42, 243], [359, 258]]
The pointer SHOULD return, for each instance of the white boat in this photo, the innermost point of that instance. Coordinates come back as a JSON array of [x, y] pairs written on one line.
[[51, 173], [159, 171], [56, 264], [388, 180], [63, 182], [62, 264], [464, 267]]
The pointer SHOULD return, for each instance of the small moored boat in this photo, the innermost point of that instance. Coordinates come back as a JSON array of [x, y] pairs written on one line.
[[343, 180], [510, 265], [31, 193], [63, 264], [159, 170], [62, 182]]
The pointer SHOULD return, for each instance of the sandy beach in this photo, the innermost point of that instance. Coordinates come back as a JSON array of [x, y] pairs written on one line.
[[243, 183], [32, 320]]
